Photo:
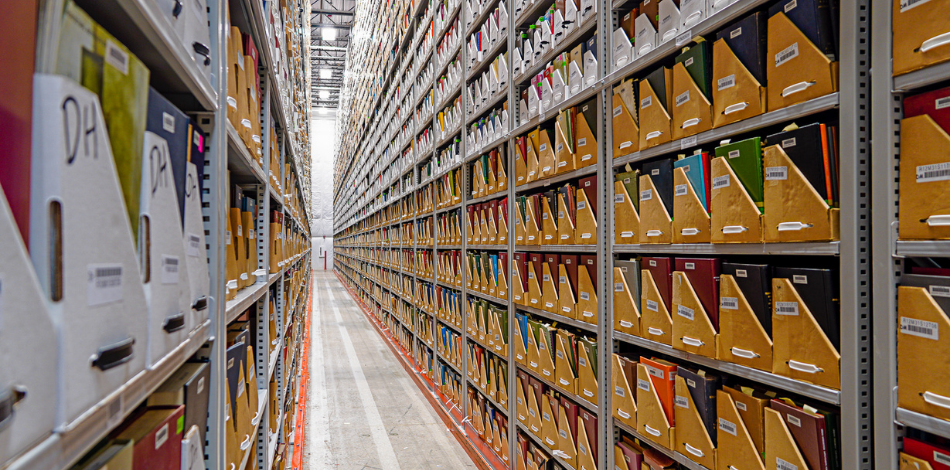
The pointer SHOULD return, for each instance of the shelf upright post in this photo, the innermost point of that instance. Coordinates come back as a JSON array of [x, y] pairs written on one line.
[[512, 181], [855, 234], [262, 352], [214, 203], [466, 190], [605, 434], [885, 127]]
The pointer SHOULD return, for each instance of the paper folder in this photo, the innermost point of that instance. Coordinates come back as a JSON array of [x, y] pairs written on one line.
[[565, 226], [781, 451], [692, 111], [651, 419], [794, 211], [742, 339], [800, 348], [797, 70], [655, 121], [690, 219], [692, 329], [924, 210], [734, 218], [547, 162], [737, 95], [655, 222], [921, 356], [655, 321], [624, 403], [585, 141], [691, 438], [626, 132], [737, 448], [626, 217], [626, 302], [585, 233], [920, 35], [587, 386], [564, 155], [549, 228], [567, 442]]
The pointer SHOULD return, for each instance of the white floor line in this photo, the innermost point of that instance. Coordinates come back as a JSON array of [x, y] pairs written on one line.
[[439, 431], [319, 445], [384, 447]]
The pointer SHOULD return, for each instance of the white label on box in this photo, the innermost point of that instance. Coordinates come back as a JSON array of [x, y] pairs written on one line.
[[618, 198], [618, 287], [581, 205], [941, 458], [161, 436], [643, 385], [105, 284], [194, 244], [786, 308], [562, 280], [939, 291], [646, 102], [942, 102], [740, 405], [646, 194], [908, 4], [776, 173], [685, 312], [935, 172], [168, 123], [742, 273], [682, 98], [720, 182], [682, 402], [658, 373], [652, 305], [544, 147], [788, 143], [791, 6], [619, 391], [170, 269], [794, 421], [684, 38], [783, 465], [729, 303], [786, 55], [728, 81], [686, 143], [618, 110], [680, 190], [921, 328], [734, 154], [727, 426], [799, 279], [735, 33], [117, 58], [585, 296]]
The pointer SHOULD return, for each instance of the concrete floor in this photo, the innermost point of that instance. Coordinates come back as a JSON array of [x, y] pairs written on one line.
[[365, 411]]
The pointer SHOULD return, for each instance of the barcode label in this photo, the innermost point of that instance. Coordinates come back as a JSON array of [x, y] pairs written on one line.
[[682, 402], [720, 182], [734, 154], [161, 436], [682, 98], [585, 296], [786, 55], [685, 312], [581, 205], [686, 143], [618, 110], [741, 406], [688, 62], [643, 385], [794, 421], [942, 102], [544, 147], [921, 328], [783, 465], [582, 361], [618, 198], [117, 58], [546, 277], [652, 305], [562, 280], [799, 279], [728, 81], [658, 373], [618, 287], [194, 244], [727, 426], [776, 173], [940, 457], [786, 308], [939, 291], [104, 284], [742, 273], [908, 4], [619, 391], [935, 172], [735, 33], [168, 123], [582, 142], [680, 190], [646, 194], [646, 102], [729, 303], [689, 266], [169, 269], [626, 324], [791, 6]]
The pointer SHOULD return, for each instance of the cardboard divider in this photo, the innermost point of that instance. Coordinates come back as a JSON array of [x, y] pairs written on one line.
[[534, 412], [624, 404], [914, 30], [532, 228], [587, 385], [909, 462], [692, 111], [626, 132], [735, 218], [549, 289], [533, 164], [586, 306], [534, 287], [626, 218], [626, 311], [736, 446], [521, 232], [742, 339], [585, 458], [565, 376], [924, 206], [651, 419], [534, 355], [545, 350], [690, 219], [691, 439], [655, 321], [585, 142], [780, 447], [549, 229], [586, 231], [800, 348], [567, 301], [502, 288], [805, 73], [922, 354], [521, 167], [501, 176], [564, 157], [566, 443], [502, 229], [565, 227], [656, 224], [737, 95], [794, 211], [518, 293], [655, 121], [693, 331], [547, 162], [549, 432]]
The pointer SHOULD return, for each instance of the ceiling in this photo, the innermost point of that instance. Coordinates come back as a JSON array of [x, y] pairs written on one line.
[[327, 53]]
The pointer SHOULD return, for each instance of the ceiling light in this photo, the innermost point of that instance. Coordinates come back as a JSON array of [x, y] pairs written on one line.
[[329, 34], [324, 94], [326, 73]]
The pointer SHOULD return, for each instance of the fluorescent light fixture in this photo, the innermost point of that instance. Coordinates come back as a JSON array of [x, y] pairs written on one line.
[[329, 34], [326, 73]]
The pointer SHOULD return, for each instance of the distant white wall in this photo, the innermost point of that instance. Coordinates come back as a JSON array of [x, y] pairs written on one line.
[[322, 253], [323, 135]]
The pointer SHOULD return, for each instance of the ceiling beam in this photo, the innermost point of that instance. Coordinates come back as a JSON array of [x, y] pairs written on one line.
[[325, 11]]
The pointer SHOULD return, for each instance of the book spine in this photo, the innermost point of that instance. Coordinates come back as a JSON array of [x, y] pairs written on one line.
[[823, 442]]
